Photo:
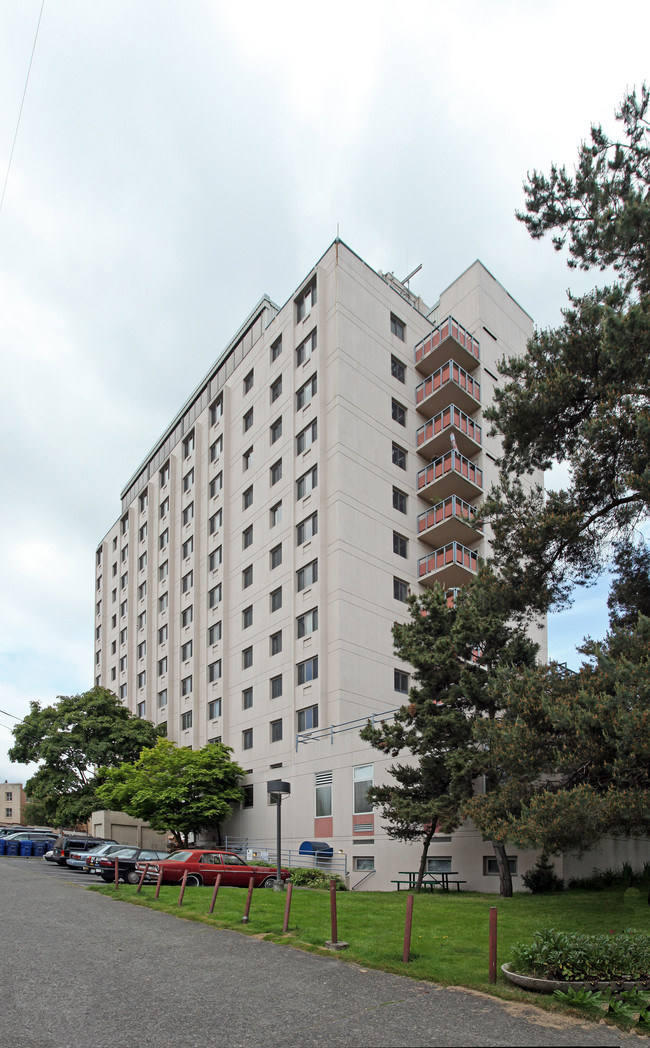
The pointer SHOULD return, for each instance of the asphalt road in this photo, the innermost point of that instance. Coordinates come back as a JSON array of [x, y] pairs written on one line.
[[82, 971]]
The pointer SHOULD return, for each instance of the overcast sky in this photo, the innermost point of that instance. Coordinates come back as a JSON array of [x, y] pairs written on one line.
[[177, 160]]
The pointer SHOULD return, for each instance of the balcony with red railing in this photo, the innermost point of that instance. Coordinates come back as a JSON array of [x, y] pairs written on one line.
[[451, 474], [451, 425], [448, 339], [452, 566], [449, 382], [448, 521]]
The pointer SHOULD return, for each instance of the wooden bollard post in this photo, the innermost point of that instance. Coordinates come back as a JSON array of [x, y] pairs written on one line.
[[406, 953], [287, 908], [247, 909], [334, 922], [493, 945], [214, 893], [183, 883], [142, 876], [158, 882], [117, 873]]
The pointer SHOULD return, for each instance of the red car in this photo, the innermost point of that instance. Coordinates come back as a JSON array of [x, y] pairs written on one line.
[[203, 866]]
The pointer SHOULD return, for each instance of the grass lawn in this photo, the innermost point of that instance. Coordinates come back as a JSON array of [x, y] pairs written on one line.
[[449, 943]]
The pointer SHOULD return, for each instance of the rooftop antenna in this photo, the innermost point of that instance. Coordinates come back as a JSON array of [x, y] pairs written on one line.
[[411, 274], [337, 231]]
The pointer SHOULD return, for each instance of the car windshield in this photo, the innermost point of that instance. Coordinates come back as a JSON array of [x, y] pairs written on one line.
[[180, 856], [125, 853]]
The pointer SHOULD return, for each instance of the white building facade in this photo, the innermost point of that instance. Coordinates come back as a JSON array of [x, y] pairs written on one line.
[[327, 465]]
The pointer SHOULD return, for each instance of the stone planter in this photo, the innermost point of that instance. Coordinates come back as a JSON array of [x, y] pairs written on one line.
[[531, 982]]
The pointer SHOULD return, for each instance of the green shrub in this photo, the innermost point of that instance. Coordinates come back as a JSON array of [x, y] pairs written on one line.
[[542, 878], [310, 877], [562, 955], [601, 880]]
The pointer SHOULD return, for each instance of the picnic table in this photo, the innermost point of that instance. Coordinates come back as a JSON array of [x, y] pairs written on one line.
[[440, 879]]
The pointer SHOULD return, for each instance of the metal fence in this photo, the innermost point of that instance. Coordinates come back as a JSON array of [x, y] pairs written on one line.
[[265, 851]]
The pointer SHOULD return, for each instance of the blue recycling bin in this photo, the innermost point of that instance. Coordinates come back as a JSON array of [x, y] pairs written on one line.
[[13, 847], [26, 847], [3, 846], [40, 847]]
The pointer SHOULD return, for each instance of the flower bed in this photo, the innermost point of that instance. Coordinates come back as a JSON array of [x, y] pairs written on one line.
[[571, 957]]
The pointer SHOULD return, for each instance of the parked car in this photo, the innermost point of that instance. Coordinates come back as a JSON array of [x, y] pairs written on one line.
[[80, 860], [92, 857], [203, 866], [31, 835], [6, 831], [77, 843], [126, 863]]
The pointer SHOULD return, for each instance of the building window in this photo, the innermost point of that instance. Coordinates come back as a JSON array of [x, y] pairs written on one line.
[[215, 522], [142, 534], [307, 482], [125, 553], [307, 576], [247, 537], [397, 327], [306, 348], [247, 498], [400, 544], [214, 634], [307, 670], [214, 559], [214, 709], [401, 682], [188, 513], [164, 538], [247, 658], [491, 868], [216, 449], [276, 349], [363, 863], [397, 369], [306, 393], [306, 437], [188, 582], [276, 687], [363, 780], [248, 381], [308, 718], [275, 643], [276, 430], [305, 300], [216, 409], [276, 731], [123, 608], [276, 472], [164, 507], [125, 524], [163, 634], [186, 721], [186, 685], [124, 580], [122, 691], [142, 709], [276, 514], [307, 529], [214, 671], [247, 699], [247, 420], [399, 456], [214, 596], [276, 389], [188, 547], [247, 739], [400, 500], [400, 589], [216, 484], [162, 699], [275, 556], [276, 599], [142, 591], [164, 475], [439, 864], [247, 617], [398, 412], [162, 729], [247, 577], [188, 480], [123, 636], [188, 445], [323, 794], [186, 651], [142, 649], [247, 460], [163, 571], [163, 602], [307, 623], [247, 799], [142, 678]]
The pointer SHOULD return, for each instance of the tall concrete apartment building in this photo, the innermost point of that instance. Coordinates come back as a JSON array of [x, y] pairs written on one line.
[[328, 464]]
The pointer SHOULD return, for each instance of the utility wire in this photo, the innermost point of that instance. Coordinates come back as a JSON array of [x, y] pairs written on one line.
[[22, 102], [6, 714]]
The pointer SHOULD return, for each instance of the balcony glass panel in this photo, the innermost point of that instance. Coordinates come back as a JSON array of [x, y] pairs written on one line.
[[449, 381], [447, 521], [454, 564], [451, 474], [435, 436], [451, 338]]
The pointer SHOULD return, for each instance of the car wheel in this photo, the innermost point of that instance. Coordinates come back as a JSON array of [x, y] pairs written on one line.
[[193, 881], [133, 877], [268, 882]]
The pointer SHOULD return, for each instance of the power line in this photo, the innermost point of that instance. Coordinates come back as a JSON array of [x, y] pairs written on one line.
[[22, 102], [7, 714]]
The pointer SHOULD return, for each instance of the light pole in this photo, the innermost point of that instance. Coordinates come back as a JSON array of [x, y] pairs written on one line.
[[280, 788]]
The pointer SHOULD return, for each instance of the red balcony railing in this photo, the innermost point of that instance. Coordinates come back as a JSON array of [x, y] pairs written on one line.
[[454, 562], [463, 477], [462, 346], [467, 432], [450, 373], [448, 520]]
